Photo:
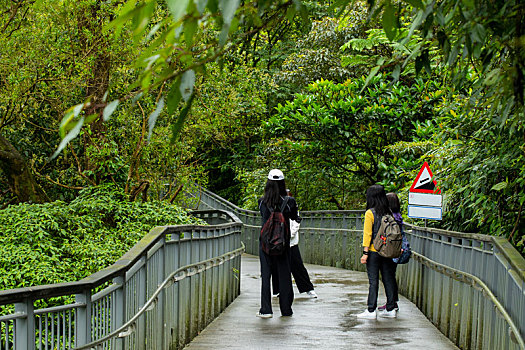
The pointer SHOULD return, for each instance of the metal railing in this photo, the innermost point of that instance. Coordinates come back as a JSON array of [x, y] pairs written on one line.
[[335, 236], [472, 287], [159, 295]]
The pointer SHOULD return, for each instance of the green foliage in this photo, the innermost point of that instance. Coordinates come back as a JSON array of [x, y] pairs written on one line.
[[318, 56], [475, 141], [481, 41], [179, 43], [444, 84], [58, 242], [225, 123], [481, 167], [336, 127]]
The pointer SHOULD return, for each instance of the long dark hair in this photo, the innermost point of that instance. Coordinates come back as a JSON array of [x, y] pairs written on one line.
[[273, 191], [376, 199], [393, 202]]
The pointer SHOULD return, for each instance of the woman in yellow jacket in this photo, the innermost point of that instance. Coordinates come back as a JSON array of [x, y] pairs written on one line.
[[377, 206]]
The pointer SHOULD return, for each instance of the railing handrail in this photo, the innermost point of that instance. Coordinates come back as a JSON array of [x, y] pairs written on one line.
[[254, 212], [151, 302], [489, 264], [455, 273], [126, 262], [511, 254], [457, 234]]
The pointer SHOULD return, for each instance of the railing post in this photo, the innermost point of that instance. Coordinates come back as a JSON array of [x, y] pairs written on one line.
[[358, 223], [161, 318], [142, 294], [83, 318], [119, 308], [25, 327]]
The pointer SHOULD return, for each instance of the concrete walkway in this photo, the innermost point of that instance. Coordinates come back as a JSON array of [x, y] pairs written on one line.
[[325, 323]]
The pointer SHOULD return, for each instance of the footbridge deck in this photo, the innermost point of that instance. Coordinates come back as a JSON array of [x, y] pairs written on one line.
[[191, 285], [328, 322]]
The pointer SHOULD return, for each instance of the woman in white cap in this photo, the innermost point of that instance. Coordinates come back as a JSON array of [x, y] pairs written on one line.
[[273, 199], [299, 272]]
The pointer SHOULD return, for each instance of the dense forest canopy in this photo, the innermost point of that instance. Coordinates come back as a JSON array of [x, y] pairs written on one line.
[[149, 96]]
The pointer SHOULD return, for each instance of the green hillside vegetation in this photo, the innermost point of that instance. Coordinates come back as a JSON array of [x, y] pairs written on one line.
[[63, 242], [151, 97]]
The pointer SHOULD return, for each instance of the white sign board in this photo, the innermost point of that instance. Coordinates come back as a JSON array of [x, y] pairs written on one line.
[[424, 199], [420, 212]]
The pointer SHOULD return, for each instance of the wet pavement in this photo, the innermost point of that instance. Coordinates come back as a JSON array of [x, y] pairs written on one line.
[[328, 322]]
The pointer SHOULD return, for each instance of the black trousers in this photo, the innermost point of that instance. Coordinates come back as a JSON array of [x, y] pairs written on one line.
[[396, 295], [299, 273], [281, 264], [374, 264]]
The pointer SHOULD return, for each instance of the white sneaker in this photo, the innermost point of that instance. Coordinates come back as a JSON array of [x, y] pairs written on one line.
[[388, 314], [263, 315], [276, 295], [367, 314], [312, 294]]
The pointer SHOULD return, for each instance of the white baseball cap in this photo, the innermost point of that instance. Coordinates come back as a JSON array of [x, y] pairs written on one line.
[[275, 174]]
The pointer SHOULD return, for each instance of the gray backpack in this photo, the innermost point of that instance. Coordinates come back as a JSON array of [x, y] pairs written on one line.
[[389, 238]]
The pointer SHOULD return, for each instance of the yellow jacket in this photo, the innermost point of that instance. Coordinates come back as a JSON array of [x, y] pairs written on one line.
[[367, 231]]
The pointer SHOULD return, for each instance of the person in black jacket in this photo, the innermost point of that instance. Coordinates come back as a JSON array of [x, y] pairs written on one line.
[[299, 272], [274, 195]]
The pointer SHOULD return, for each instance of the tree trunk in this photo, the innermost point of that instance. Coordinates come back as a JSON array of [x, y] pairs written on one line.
[[98, 82], [21, 181], [94, 44]]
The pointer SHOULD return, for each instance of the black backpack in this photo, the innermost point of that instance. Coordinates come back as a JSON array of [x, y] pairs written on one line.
[[274, 232]]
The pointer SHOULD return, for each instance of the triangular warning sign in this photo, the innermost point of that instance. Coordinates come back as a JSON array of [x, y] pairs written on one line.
[[424, 182]]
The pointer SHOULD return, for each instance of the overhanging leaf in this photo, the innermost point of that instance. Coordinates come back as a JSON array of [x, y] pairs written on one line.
[[70, 136], [186, 84], [373, 72], [228, 8], [152, 31], [201, 5], [190, 28], [70, 115], [174, 97], [127, 12], [109, 109], [389, 21], [396, 72], [177, 8], [177, 126], [141, 20], [153, 117]]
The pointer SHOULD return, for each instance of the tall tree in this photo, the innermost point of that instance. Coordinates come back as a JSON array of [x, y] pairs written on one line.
[[15, 167]]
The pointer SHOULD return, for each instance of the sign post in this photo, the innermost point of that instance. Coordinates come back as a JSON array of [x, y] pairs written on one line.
[[424, 197]]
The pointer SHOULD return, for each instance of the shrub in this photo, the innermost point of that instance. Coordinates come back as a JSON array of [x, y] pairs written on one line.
[[60, 242]]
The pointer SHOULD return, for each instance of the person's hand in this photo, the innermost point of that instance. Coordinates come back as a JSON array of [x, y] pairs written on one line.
[[364, 258]]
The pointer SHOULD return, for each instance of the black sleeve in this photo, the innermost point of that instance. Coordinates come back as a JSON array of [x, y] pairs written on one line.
[[265, 212], [292, 206]]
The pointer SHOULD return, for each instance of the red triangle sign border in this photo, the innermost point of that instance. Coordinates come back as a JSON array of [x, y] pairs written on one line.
[[436, 190]]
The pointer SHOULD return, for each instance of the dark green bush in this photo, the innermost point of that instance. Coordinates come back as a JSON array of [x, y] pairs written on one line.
[[61, 242]]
